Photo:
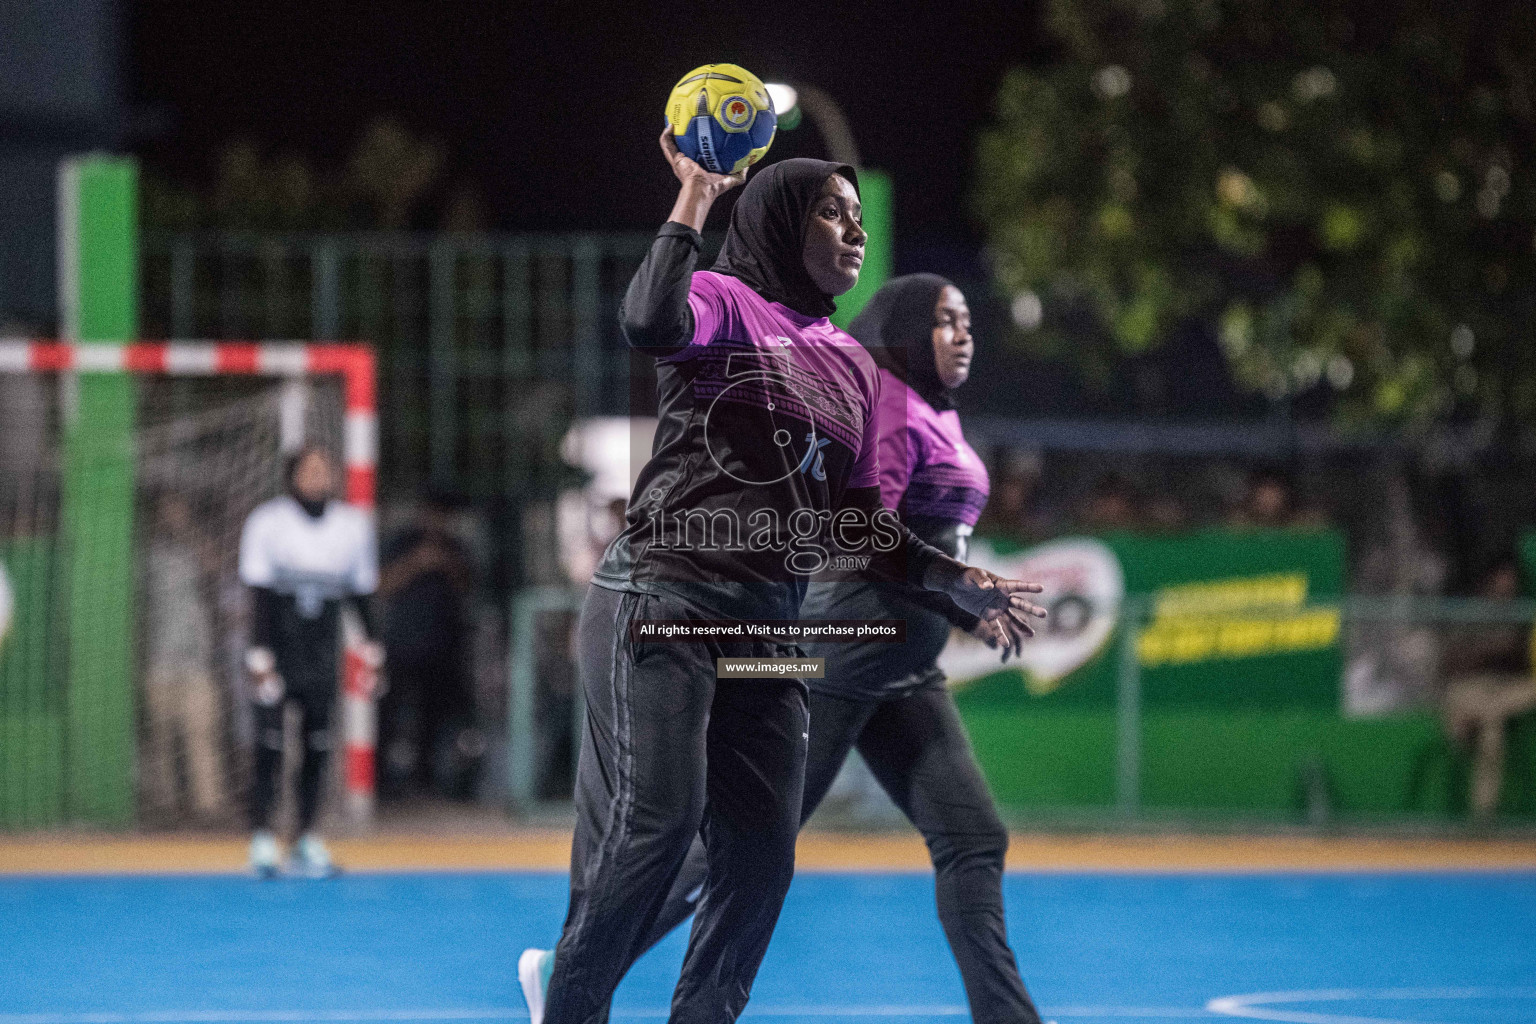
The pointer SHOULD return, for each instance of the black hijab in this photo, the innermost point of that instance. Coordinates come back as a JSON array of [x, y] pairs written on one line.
[[766, 242], [897, 328]]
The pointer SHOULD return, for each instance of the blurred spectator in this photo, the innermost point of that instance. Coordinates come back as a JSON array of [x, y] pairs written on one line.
[[1488, 668], [1393, 664], [1271, 504], [426, 717], [1111, 506], [27, 496], [605, 449], [1166, 513], [587, 521], [1267, 503], [181, 701], [1014, 509]]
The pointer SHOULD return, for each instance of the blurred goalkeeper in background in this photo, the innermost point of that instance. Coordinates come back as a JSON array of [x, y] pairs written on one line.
[[302, 555]]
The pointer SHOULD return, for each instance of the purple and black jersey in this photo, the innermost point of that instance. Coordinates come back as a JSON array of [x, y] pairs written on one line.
[[940, 486], [767, 417], [928, 472]]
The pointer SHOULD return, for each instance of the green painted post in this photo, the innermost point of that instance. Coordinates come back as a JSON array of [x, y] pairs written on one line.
[[879, 221], [1128, 710], [98, 302]]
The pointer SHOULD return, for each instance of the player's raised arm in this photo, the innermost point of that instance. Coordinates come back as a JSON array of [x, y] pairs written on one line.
[[655, 316]]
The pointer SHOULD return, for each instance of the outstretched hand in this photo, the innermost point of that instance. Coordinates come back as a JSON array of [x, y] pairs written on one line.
[[1001, 603]]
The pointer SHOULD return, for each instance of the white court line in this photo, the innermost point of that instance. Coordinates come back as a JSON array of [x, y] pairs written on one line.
[[1170, 1012], [822, 1011], [1251, 1006], [499, 1014]]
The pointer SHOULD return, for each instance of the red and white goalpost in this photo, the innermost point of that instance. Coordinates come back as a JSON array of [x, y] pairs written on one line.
[[353, 364]]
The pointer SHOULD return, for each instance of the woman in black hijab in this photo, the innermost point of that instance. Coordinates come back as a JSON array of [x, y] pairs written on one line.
[[672, 752], [890, 700], [897, 327]]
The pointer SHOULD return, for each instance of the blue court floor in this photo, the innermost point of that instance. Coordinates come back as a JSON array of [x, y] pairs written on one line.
[[1112, 948]]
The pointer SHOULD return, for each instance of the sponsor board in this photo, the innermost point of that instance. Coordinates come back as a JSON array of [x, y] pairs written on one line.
[[1084, 587], [1222, 617]]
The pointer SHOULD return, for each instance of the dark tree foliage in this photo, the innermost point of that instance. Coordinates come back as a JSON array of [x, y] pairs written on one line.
[[392, 180], [1343, 187]]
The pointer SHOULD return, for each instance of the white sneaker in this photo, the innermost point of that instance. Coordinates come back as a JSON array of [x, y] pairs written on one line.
[[264, 855], [533, 970], [310, 858]]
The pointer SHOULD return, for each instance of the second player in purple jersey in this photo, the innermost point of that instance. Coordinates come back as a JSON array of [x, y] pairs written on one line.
[[890, 701], [935, 480], [930, 475], [928, 471]]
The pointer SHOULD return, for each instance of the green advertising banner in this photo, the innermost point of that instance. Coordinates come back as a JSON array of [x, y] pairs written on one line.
[[1238, 663], [1230, 619]]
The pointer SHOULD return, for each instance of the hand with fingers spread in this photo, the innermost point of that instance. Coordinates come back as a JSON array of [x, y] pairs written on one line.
[[1000, 602], [700, 187]]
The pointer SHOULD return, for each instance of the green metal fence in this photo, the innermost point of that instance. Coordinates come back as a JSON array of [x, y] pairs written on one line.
[[482, 339], [1203, 762]]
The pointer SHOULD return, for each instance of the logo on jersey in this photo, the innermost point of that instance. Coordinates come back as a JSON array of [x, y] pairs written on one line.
[[813, 461]]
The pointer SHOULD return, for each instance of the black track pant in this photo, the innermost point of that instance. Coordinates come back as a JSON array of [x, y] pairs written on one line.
[[314, 705], [671, 755], [917, 748]]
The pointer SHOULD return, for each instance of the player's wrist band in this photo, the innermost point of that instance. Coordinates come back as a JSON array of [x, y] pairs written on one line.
[[676, 229], [943, 573]]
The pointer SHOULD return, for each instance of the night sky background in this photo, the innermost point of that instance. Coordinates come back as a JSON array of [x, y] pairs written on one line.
[[551, 112]]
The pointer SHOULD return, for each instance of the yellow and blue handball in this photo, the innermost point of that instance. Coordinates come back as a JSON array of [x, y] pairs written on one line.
[[721, 116]]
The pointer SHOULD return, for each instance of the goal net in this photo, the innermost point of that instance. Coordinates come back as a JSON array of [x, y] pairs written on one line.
[[122, 620]]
